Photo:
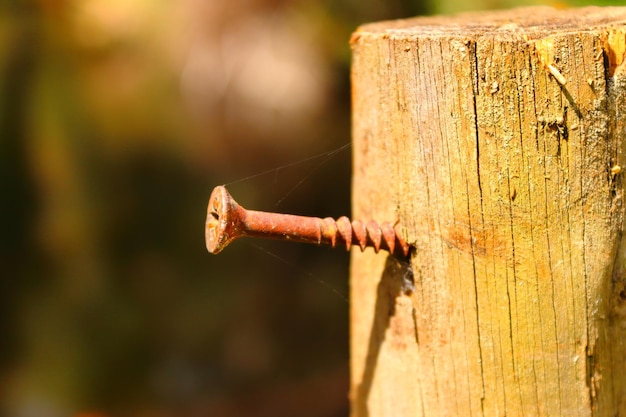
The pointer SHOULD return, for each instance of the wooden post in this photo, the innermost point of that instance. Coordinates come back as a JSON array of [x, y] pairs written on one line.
[[497, 141]]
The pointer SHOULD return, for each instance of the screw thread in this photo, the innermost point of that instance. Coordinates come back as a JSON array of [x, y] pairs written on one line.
[[363, 234]]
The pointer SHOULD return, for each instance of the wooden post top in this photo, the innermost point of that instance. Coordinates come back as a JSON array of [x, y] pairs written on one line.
[[531, 22]]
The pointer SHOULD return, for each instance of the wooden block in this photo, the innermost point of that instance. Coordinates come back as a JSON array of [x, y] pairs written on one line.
[[497, 140]]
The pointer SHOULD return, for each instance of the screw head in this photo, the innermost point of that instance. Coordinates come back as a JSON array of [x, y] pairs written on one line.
[[223, 220]]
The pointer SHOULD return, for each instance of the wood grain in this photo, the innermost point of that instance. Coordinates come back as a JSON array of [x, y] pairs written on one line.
[[497, 140]]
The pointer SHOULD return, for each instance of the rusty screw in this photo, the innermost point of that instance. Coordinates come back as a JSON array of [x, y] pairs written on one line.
[[226, 221]]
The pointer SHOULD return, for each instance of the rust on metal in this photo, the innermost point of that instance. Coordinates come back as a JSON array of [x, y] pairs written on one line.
[[226, 221]]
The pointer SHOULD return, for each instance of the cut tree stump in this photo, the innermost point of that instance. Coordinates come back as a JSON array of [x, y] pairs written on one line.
[[496, 140]]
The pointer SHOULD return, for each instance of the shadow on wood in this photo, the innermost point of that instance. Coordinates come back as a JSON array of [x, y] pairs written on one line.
[[396, 279]]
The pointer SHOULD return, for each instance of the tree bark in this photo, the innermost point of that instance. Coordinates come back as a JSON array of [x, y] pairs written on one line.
[[497, 141]]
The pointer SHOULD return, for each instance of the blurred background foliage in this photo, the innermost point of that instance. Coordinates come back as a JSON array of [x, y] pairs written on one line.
[[116, 120]]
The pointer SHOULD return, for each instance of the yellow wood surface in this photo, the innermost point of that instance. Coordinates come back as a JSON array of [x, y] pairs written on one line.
[[497, 141]]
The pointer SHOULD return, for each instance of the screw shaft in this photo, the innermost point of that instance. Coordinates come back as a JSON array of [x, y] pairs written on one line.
[[227, 221]]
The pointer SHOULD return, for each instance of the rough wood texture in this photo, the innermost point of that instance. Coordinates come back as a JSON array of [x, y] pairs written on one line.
[[497, 141]]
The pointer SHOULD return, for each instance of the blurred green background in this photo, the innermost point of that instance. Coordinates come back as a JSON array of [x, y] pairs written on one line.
[[116, 120]]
